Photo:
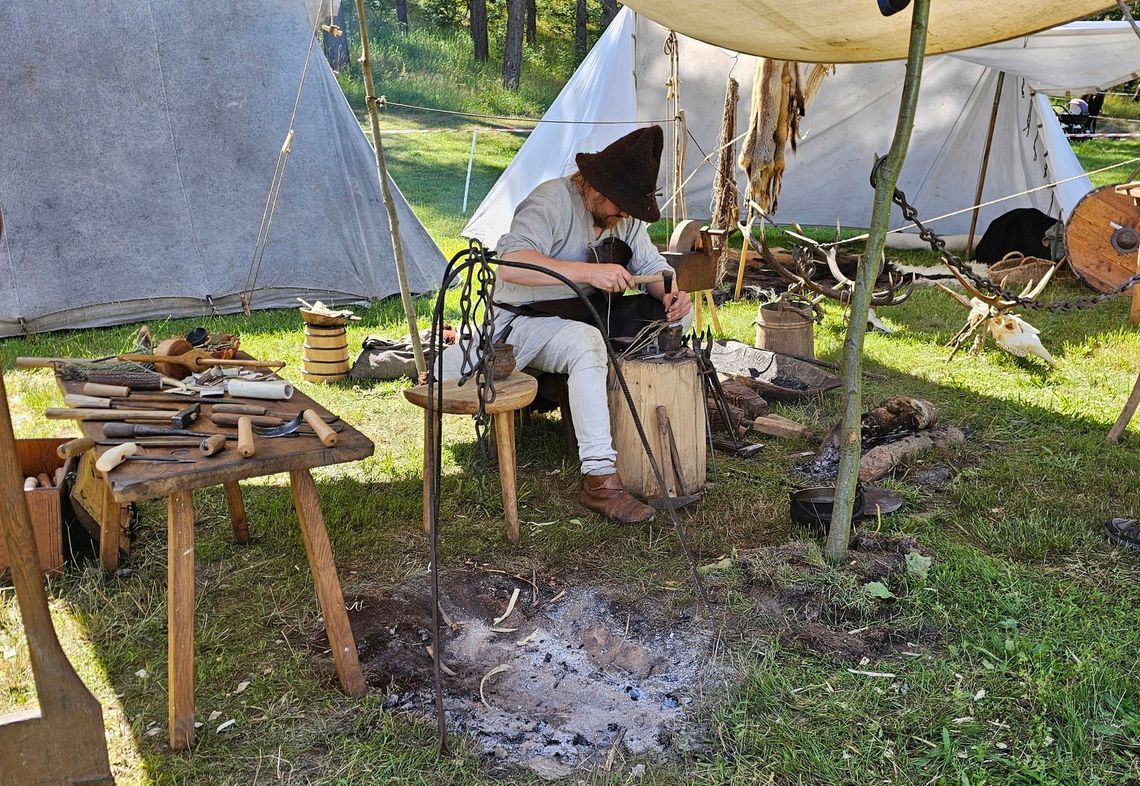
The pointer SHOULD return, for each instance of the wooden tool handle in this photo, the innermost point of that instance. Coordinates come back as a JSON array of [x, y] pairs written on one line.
[[240, 409], [178, 360], [243, 363], [245, 436], [40, 362], [106, 391], [70, 413], [44, 480], [322, 429], [651, 278], [75, 447], [116, 456], [88, 402], [212, 445], [230, 420]]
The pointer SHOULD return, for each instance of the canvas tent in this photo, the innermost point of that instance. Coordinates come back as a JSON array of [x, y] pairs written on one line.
[[621, 85], [137, 145]]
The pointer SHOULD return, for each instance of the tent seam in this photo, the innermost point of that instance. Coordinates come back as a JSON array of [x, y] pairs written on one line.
[[174, 148], [11, 264]]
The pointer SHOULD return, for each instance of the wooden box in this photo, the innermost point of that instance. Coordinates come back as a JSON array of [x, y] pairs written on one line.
[[44, 504]]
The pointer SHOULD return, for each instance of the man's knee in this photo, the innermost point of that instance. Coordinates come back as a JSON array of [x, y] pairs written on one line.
[[590, 346]]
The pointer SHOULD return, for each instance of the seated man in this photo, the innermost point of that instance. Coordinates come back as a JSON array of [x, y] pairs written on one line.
[[556, 227]]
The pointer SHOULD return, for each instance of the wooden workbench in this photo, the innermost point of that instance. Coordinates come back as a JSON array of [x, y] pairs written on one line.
[[138, 480]]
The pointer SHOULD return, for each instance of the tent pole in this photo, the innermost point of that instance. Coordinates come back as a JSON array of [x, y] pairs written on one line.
[[382, 172], [888, 174], [985, 165]]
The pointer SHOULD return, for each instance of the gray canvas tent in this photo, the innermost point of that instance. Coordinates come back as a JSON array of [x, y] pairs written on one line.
[[138, 142]]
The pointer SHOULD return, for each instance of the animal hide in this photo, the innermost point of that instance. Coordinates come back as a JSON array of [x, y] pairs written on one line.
[[780, 96]]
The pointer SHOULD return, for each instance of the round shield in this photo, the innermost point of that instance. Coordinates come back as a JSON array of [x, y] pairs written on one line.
[[1103, 238]]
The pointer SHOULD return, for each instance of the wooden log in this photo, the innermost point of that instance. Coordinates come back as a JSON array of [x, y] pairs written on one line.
[[675, 385], [877, 462]]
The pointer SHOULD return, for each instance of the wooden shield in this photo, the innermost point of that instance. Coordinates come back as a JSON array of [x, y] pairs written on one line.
[[1103, 237]]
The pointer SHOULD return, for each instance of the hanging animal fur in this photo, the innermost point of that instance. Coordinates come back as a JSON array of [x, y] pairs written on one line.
[[780, 96], [725, 199]]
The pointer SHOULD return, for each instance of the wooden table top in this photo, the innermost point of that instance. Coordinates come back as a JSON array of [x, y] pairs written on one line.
[[137, 480]]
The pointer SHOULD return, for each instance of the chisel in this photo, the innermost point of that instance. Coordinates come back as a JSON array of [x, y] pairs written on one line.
[[128, 451]]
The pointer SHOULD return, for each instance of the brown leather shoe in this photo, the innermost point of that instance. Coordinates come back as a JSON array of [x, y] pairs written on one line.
[[604, 494]]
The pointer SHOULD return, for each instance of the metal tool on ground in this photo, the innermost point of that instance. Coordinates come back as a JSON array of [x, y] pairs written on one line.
[[129, 451], [199, 360], [73, 413], [245, 446], [230, 420], [156, 442]]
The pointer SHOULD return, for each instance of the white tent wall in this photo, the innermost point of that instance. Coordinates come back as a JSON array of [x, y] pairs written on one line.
[[137, 148], [851, 120]]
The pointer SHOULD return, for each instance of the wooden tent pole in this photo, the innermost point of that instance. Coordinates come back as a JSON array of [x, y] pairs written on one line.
[[985, 165], [849, 446], [389, 204]]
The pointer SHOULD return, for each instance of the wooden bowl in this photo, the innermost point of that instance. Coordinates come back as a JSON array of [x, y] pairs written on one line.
[[173, 346]]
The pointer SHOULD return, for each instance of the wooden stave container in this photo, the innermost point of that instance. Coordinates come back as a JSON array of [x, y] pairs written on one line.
[[325, 352], [785, 331], [675, 384]]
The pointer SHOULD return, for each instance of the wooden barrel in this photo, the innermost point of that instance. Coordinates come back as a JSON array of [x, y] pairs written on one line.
[[325, 355], [672, 383], [785, 330]]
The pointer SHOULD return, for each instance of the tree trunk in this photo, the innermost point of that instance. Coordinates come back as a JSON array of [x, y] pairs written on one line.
[[512, 49], [531, 22], [479, 29], [336, 46], [580, 30], [609, 11], [850, 435], [402, 16]]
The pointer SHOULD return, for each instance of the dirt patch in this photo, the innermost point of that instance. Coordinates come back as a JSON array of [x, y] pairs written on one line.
[[826, 610], [571, 675]]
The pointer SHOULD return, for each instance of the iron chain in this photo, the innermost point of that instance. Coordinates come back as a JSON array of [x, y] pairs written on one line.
[[938, 245]]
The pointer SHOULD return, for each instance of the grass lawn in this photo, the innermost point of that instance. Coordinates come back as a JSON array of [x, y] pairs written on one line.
[[1033, 677]]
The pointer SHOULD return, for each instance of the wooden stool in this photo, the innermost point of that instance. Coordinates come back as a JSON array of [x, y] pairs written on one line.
[[511, 394]]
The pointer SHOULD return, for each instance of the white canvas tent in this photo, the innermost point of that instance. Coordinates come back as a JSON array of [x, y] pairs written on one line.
[[137, 145], [621, 85]]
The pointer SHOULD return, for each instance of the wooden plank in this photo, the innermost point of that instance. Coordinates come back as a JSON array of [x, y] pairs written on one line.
[[319, 552], [180, 618], [236, 506], [136, 480], [62, 742]]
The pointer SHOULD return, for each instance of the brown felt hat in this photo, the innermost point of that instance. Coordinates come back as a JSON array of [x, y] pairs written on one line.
[[625, 172]]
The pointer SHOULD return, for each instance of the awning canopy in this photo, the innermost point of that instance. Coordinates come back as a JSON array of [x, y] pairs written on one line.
[[854, 31]]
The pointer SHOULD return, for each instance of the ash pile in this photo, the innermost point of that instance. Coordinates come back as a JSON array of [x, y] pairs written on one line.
[[557, 680]]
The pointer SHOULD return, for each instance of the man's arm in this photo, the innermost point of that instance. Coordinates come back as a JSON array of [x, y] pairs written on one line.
[[606, 277]]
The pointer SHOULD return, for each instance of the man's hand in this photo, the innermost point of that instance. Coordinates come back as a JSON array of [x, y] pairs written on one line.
[[608, 278], [677, 305]]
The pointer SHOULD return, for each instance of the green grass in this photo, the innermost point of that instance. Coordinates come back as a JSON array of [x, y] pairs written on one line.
[[1034, 607]]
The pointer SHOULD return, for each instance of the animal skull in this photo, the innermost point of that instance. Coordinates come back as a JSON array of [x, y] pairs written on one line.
[[1009, 331]]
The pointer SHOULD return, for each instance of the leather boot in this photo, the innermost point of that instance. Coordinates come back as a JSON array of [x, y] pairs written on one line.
[[604, 494]]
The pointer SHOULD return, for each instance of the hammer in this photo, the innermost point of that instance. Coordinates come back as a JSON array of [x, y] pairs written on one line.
[[663, 277]]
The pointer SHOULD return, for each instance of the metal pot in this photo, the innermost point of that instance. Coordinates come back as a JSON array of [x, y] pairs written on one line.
[[811, 507]]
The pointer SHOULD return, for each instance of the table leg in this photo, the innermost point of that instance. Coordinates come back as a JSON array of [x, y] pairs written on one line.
[[713, 316], [237, 512], [329, 594], [505, 442], [110, 531], [180, 618], [1126, 414]]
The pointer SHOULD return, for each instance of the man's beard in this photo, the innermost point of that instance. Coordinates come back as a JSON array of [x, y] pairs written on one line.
[[606, 222]]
